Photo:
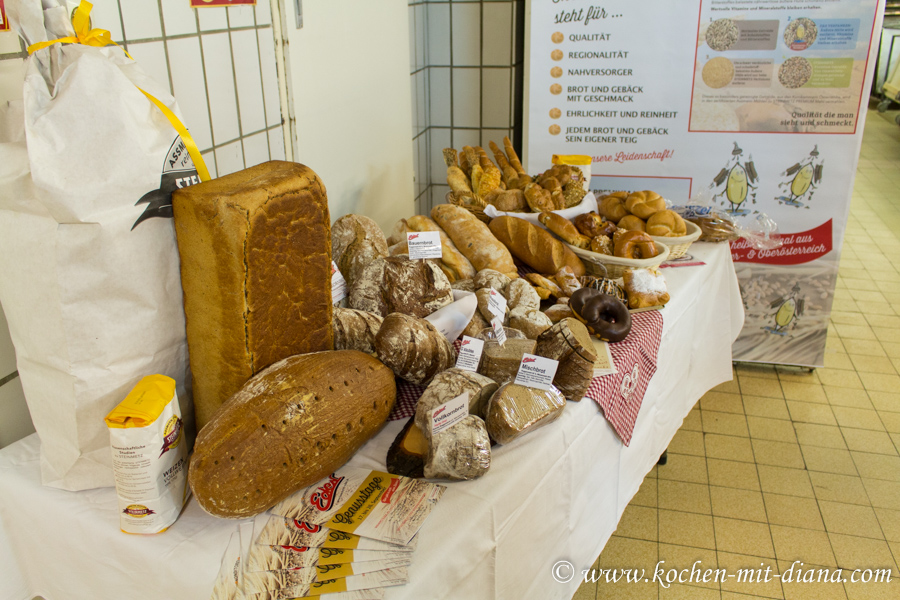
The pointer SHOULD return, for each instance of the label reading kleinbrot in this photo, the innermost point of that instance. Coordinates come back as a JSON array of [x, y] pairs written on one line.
[[536, 372], [424, 244], [469, 356]]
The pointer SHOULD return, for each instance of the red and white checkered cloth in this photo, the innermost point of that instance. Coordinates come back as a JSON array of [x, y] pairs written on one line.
[[620, 395]]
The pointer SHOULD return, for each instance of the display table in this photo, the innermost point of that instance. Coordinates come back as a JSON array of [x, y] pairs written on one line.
[[556, 494]]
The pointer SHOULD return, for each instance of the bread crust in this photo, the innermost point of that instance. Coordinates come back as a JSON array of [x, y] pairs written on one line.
[[243, 240], [288, 427], [534, 246]]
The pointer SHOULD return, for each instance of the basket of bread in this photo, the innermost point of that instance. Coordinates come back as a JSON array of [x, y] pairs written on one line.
[[477, 182], [646, 211]]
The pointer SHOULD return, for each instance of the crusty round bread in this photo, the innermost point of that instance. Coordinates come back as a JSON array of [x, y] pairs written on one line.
[[666, 223], [644, 204], [398, 284]]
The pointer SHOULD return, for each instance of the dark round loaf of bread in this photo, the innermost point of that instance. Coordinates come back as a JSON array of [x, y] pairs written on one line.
[[398, 284]]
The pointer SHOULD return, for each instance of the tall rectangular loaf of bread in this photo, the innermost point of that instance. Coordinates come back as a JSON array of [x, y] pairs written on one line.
[[255, 252]]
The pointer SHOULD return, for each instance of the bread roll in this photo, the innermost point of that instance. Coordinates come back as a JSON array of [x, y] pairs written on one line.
[[255, 250], [666, 223], [564, 228], [632, 223], [645, 204], [534, 246], [476, 325], [510, 201], [290, 426], [515, 410], [398, 284], [355, 330], [413, 348], [489, 278], [474, 239], [356, 241], [521, 294], [612, 207], [531, 322]]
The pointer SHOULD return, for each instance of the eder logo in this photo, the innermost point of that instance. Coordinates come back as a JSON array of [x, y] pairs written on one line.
[[528, 360], [307, 527], [178, 172], [439, 411], [412, 236], [323, 498], [465, 343]]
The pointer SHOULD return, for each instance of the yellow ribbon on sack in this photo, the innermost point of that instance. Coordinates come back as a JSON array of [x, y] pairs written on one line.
[[81, 23]]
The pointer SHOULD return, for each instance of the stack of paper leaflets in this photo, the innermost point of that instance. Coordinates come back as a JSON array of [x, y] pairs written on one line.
[[347, 537]]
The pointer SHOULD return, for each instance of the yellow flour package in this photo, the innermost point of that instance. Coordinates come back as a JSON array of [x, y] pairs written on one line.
[[149, 456]]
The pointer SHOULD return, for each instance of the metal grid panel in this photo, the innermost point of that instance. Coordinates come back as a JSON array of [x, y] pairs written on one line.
[[200, 53], [466, 61]]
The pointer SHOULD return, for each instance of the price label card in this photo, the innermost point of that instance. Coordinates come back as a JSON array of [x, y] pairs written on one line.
[[499, 332], [469, 354], [536, 372], [497, 303], [449, 414], [424, 244], [338, 285]]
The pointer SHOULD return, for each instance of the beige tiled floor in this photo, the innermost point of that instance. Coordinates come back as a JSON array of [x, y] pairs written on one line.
[[781, 465]]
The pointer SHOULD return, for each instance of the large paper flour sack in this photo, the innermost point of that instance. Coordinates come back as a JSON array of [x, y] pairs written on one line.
[[89, 276]]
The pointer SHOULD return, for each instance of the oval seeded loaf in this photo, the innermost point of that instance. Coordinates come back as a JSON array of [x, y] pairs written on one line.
[[449, 384], [288, 427]]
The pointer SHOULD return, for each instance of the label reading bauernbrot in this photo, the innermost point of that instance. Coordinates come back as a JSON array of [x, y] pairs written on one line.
[[536, 372], [424, 244], [497, 303]]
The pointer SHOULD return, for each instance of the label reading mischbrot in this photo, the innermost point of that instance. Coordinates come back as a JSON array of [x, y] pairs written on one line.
[[536, 372]]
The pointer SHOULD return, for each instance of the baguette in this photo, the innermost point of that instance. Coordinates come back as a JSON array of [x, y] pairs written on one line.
[[474, 239], [534, 246]]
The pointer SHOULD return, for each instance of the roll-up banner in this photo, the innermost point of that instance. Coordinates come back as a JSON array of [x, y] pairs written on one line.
[[759, 103]]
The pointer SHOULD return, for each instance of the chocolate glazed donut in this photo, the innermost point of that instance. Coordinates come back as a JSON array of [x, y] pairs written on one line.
[[605, 316]]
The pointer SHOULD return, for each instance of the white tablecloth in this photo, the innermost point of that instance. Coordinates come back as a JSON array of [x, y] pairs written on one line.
[[552, 495]]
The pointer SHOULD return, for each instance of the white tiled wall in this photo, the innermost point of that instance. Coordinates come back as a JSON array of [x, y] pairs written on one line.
[[465, 68], [224, 79]]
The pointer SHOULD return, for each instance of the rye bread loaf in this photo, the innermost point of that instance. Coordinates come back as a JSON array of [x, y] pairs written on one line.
[[501, 363], [476, 325], [515, 410], [413, 348], [398, 284], [531, 322], [355, 330], [356, 241], [288, 427], [256, 272], [449, 384], [460, 452], [569, 342]]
